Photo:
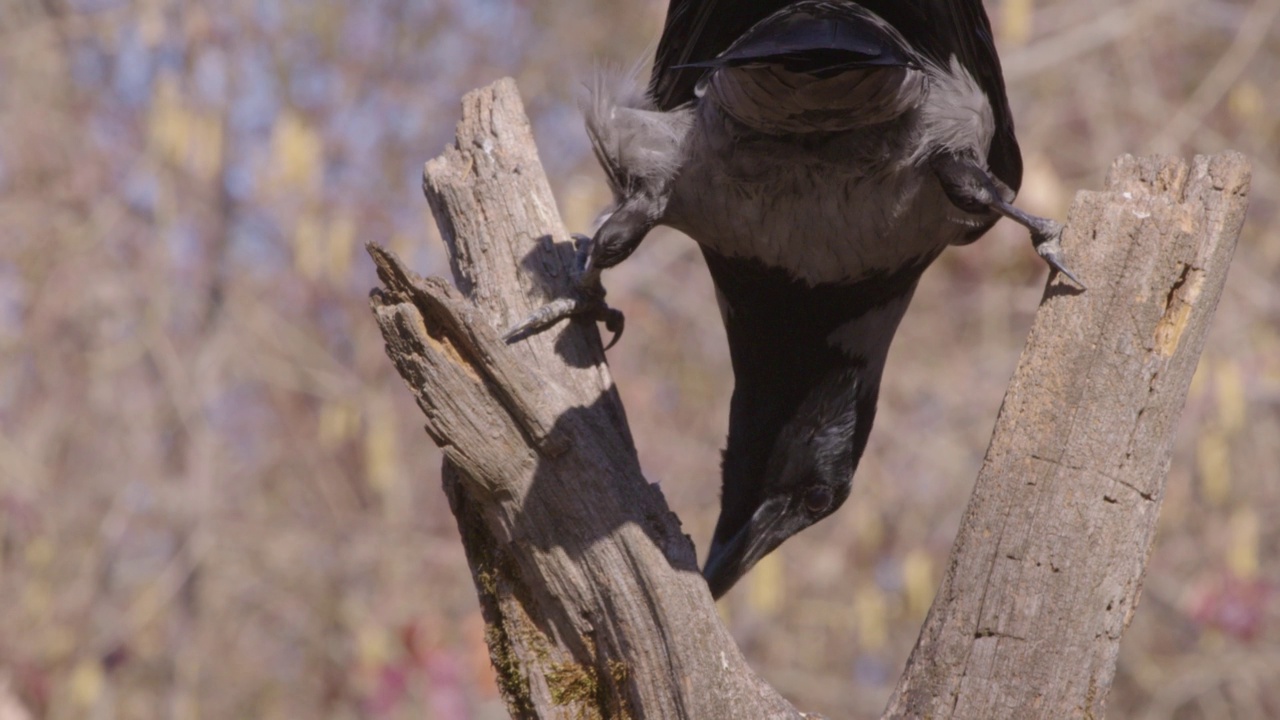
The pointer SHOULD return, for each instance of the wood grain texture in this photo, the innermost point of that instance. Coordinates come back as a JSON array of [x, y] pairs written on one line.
[[594, 603], [1046, 570]]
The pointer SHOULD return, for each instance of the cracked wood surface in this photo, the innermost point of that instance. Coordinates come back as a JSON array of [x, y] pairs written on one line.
[[591, 592], [1047, 567]]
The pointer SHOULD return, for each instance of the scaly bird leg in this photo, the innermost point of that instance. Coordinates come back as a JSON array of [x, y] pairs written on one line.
[[586, 300], [975, 190], [1046, 236]]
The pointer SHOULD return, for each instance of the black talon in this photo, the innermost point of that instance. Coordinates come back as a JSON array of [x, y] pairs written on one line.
[[1046, 238], [590, 308], [614, 322], [973, 189], [1050, 250], [586, 301], [581, 250]]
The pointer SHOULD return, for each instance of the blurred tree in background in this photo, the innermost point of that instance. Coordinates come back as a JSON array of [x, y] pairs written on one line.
[[216, 499]]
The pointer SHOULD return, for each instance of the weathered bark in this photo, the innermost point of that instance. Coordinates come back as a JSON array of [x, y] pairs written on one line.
[[1045, 573], [591, 592]]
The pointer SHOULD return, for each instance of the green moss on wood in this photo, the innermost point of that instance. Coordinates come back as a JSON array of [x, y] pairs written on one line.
[[490, 571], [579, 685], [572, 683]]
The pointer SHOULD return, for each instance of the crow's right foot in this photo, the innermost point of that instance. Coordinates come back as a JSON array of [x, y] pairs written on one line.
[[586, 300], [583, 302]]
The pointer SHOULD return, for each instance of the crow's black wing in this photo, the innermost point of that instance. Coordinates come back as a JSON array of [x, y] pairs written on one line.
[[940, 29], [976, 48], [697, 31], [817, 38]]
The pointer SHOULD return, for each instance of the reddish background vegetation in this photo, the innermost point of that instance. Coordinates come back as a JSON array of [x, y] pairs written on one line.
[[216, 499]]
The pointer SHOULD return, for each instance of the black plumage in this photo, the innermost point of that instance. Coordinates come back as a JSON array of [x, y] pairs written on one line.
[[697, 31], [822, 154]]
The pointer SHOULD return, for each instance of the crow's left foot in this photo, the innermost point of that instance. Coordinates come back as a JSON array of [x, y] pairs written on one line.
[[974, 189], [1046, 237], [1048, 246]]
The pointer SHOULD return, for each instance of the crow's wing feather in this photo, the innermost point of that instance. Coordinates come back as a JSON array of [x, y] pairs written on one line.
[[818, 39], [940, 29], [697, 31]]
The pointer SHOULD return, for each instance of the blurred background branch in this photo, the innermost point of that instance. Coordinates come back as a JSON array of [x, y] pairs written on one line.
[[214, 493]]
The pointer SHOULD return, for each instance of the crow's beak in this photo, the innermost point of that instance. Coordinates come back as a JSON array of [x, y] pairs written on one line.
[[731, 558]]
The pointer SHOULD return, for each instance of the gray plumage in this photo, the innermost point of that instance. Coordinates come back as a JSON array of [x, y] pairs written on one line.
[[638, 146], [641, 150], [822, 153], [807, 173]]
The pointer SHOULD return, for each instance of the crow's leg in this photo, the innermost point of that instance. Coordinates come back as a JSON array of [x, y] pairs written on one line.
[[975, 190], [613, 243], [585, 300]]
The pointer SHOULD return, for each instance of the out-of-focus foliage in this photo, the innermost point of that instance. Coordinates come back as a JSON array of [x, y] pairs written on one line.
[[216, 499]]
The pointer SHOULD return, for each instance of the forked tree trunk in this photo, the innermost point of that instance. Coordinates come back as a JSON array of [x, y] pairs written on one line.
[[591, 592]]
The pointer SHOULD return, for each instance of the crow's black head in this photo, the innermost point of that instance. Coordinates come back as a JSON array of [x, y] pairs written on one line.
[[806, 476]]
